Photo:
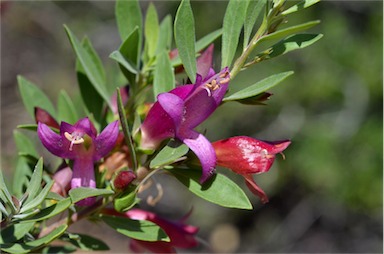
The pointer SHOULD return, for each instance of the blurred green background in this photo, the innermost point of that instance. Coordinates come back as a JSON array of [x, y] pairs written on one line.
[[327, 196]]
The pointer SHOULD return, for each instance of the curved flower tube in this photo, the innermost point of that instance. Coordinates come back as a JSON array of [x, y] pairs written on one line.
[[247, 156], [80, 143]]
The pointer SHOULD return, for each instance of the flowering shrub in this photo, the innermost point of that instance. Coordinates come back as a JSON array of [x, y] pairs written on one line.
[[102, 175]]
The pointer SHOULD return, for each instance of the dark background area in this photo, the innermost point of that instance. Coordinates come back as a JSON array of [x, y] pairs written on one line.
[[326, 197]]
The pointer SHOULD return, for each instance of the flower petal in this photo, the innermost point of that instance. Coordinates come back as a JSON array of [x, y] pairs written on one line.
[[84, 176], [203, 150], [204, 62], [86, 126], [173, 105], [43, 116], [255, 189], [105, 142], [183, 91], [54, 142]]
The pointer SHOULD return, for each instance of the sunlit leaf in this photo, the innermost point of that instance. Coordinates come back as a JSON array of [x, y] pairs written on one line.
[[38, 199], [50, 211], [34, 185], [14, 232], [81, 193], [33, 96], [151, 30], [24, 144], [171, 152], [184, 29], [232, 24], [84, 242], [300, 6], [128, 16], [253, 11], [165, 35], [219, 189], [259, 87]]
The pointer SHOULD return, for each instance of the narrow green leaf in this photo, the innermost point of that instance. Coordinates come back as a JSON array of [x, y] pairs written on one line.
[[15, 232], [31, 245], [128, 16], [126, 131], [233, 21], [164, 77], [300, 6], [91, 64], [219, 189], [253, 11], [21, 177], [33, 96], [81, 193], [116, 55], [34, 185], [38, 199], [30, 127], [201, 44], [4, 193], [165, 35], [24, 144], [136, 229], [58, 249], [184, 28], [50, 211], [293, 42], [66, 109], [259, 87], [151, 30], [171, 152], [288, 31], [85, 242]]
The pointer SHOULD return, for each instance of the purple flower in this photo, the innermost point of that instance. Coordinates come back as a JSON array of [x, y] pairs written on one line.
[[177, 112], [80, 143]]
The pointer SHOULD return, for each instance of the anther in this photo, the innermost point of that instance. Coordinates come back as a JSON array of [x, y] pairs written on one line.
[[75, 139], [223, 81]]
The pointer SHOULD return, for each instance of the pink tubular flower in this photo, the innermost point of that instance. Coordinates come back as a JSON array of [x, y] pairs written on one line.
[[181, 235], [247, 156], [177, 112], [80, 143]]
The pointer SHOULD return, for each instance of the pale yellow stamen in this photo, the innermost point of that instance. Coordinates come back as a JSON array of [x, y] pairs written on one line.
[[75, 139], [152, 201]]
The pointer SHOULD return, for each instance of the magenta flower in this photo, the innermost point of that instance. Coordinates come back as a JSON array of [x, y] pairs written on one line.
[[181, 235], [177, 112], [81, 144], [247, 156]]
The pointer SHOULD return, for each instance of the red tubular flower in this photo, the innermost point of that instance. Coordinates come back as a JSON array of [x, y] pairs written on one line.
[[247, 156]]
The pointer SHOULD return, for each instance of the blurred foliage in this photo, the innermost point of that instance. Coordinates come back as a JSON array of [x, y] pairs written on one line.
[[331, 108]]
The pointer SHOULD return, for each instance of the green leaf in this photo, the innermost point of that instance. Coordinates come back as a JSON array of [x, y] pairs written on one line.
[[50, 211], [66, 109], [165, 35], [38, 199], [219, 189], [24, 144], [171, 152], [164, 77], [33, 96], [91, 64], [293, 42], [126, 131], [30, 127], [21, 176], [84, 242], [128, 56], [58, 249], [302, 5], [233, 21], [128, 17], [259, 87], [288, 31], [151, 30], [81, 193], [253, 11], [15, 232], [31, 245], [136, 229], [4, 193], [185, 38], [127, 200], [201, 44], [34, 185]]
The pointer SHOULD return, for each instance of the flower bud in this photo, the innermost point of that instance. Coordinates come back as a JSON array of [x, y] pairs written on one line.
[[123, 179]]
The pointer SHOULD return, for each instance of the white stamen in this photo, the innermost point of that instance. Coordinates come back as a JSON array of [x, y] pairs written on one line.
[[74, 138]]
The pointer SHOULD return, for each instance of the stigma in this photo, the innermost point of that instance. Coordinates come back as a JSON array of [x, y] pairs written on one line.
[[75, 139]]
